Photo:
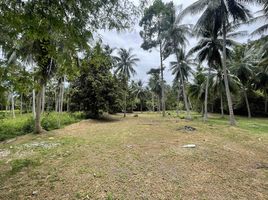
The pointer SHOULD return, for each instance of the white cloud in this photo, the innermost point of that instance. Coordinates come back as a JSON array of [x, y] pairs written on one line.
[[148, 60]]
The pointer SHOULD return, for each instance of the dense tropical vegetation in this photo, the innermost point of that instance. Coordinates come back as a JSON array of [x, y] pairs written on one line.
[[52, 60]]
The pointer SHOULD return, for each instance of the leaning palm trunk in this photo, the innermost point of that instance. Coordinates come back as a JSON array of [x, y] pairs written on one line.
[[228, 94], [206, 97], [38, 127], [183, 90], [247, 103], [162, 83]]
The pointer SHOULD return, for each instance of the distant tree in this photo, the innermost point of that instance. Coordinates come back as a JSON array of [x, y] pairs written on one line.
[[96, 89], [154, 23], [125, 62]]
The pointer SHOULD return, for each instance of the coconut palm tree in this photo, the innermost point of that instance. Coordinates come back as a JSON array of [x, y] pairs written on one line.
[[140, 92], [209, 48], [176, 39], [125, 62], [216, 14], [182, 69]]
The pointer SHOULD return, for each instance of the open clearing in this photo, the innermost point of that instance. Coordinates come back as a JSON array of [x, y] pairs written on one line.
[[138, 158]]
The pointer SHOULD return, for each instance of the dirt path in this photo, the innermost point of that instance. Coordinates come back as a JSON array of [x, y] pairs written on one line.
[[137, 158]]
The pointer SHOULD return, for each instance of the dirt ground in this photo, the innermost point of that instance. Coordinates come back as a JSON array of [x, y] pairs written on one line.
[[136, 158]]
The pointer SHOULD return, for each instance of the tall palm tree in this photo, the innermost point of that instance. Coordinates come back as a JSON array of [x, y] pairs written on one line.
[[182, 69], [217, 13], [125, 62], [242, 67], [175, 41], [209, 49]]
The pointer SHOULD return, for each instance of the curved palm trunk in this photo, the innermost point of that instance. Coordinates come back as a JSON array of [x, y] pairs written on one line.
[[206, 97], [21, 104], [162, 83], [247, 103], [228, 94], [183, 90]]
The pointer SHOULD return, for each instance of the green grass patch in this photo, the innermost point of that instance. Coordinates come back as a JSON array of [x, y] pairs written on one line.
[[18, 165], [24, 124]]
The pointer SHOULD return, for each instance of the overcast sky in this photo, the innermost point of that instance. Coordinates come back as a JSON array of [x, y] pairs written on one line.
[[148, 60]]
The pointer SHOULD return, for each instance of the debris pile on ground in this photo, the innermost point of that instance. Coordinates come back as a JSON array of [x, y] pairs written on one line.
[[136, 115], [186, 128]]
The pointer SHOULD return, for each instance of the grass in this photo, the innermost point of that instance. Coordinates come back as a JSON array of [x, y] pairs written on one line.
[[139, 158], [24, 124]]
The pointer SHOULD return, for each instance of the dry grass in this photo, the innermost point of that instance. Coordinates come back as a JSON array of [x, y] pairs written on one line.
[[137, 158]]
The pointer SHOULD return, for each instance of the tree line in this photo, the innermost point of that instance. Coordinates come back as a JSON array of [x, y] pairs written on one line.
[[51, 59]]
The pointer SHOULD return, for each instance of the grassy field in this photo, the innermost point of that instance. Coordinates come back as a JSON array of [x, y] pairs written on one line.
[[139, 158]]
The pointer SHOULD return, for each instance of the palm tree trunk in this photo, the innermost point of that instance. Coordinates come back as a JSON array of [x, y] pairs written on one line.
[[43, 98], [13, 105], [56, 101], [162, 83], [21, 103], [206, 97], [38, 128], [183, 90], [247, 103], [178, 101], [222, 111], [33, 105], [125, 103], [228, 94]]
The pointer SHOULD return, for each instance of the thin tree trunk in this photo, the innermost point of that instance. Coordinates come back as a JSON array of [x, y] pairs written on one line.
[[183, 90], [125, 103], [62, 94], [141, 106], [21, 103], [178, 101], [43, 98], [247, 103], [152, 102], [68, 100], [159, 104], [33, 105], [162, 83], [38, 128], [56, 101], [13, 105], [206, 97], [266, 102], [222, 111], [228, 94]]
